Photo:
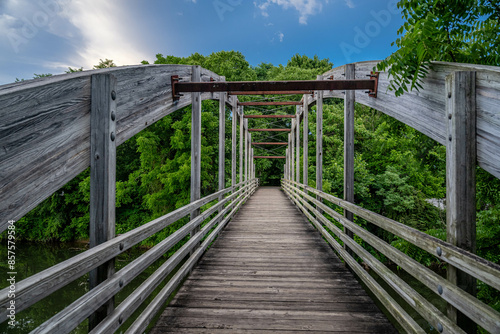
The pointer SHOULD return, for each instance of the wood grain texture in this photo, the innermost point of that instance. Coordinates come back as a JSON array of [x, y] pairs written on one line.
[[297, 154], [195, 190], [305, 140], [349, 101], [254, 279], [234, 124], [102, 180], [424, 110], [45, 127]]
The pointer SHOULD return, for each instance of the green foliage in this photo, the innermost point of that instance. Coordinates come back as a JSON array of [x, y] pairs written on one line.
[[104, 64], [464, 31]]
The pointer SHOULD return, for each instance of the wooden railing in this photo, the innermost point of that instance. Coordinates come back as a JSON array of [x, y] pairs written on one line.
[[488, 272]]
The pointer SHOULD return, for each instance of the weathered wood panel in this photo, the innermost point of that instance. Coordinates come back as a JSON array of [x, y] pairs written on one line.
[[423, 110], [45, 127], [277, 280]]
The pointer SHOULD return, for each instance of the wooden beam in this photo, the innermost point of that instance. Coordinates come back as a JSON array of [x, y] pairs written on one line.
[[349, 101], [461, 180], [297, 155], [270, 103], [319, 142], [305, 140], [234, 112], [269, 116], [102, 179], [269, 143], [242, 135], [269, 130], [246, 148], [222, 142], [195, 144]]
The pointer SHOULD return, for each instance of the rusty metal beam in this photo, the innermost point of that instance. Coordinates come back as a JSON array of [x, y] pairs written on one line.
[[269, 130], [260, 92], [270, 103], [274, 86], [270, 143], [269, 157], [269, 116]]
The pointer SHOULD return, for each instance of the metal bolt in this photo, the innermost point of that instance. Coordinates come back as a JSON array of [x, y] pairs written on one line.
[[113, 115], [121, 283], [113, 95], [440, 289], [440, 327], [449, 116], [449, 95], [112, 136], [121, 245], [120, 319], [439, 251], [96, 156], [449, 137]]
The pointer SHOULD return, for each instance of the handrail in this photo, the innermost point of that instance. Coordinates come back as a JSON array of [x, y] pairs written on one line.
[[479, 312]]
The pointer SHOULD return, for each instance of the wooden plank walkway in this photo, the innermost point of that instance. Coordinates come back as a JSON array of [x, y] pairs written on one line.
[[271, 272]]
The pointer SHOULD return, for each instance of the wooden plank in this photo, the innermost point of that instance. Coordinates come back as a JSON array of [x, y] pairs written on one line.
[[195, 144], [297, 154], [461, 179], [234, 115], [349, 101], [222, 141], [102, 179], [45, 127], [269, 103], [269, 130], [292, 150], [241, 143], [305, 140], [269, 116], [269, 143], [246, 149], [252, 280]]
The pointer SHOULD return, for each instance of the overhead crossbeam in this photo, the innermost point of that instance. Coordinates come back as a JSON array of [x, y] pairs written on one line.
[[269, 130], [274, 87], [270, 143], [269, 157], [269, 116], [285, 92], [270, 103]]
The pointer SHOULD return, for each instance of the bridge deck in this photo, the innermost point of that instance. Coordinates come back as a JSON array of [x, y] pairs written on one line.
[[270, 272]]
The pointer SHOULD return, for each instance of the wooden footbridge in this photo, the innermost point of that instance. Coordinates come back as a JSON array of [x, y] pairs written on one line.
[[284, 259]]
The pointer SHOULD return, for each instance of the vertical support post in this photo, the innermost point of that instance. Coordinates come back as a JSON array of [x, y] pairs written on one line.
[[222, 142], [319, 140], [292, 150], [246, 148], [234, 112], [102, 179], [287, 169], [305, 140], [461, 180], [242, 135], [195, 144], [297, 154], [349, 101], [252, 169]]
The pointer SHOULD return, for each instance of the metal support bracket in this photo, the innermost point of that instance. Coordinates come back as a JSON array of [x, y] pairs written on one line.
[[174, 79], [373, 92]]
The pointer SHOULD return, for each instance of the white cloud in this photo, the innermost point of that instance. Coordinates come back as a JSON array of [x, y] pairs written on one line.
[[105, 31], [281, 36], [305, 8], [350, 3]]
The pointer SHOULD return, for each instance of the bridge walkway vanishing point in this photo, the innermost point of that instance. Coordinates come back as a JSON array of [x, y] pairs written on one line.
[[271, 272]]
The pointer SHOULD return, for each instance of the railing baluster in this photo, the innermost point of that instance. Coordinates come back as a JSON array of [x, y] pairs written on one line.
[[349, 101], [195, 144]]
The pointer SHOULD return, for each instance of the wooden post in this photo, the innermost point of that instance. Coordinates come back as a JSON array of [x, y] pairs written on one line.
[[222, 143], [305, 140], [349, 101], [242, 134], [297, 154], [195, 144], [287, 165], [319, 140], [234, 112], [252, 165], [292, 151], [102, 179], [246, 148], [461, 179]]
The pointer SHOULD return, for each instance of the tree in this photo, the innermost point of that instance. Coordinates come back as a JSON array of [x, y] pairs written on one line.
[[105, 64], [465, 31]]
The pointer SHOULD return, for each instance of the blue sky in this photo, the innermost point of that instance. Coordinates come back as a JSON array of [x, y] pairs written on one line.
[[48, 36]]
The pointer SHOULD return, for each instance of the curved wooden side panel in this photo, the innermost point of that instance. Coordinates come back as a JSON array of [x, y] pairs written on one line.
[[45, 127], [425, 110]]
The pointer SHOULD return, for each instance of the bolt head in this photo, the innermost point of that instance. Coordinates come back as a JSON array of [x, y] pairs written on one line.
[[113, 115], [112, 136], [440, 289], [440, 328], [97, 156], [439, 251], [113, 95]]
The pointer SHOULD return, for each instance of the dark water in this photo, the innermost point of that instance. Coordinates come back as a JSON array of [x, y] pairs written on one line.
[[32, 258]]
